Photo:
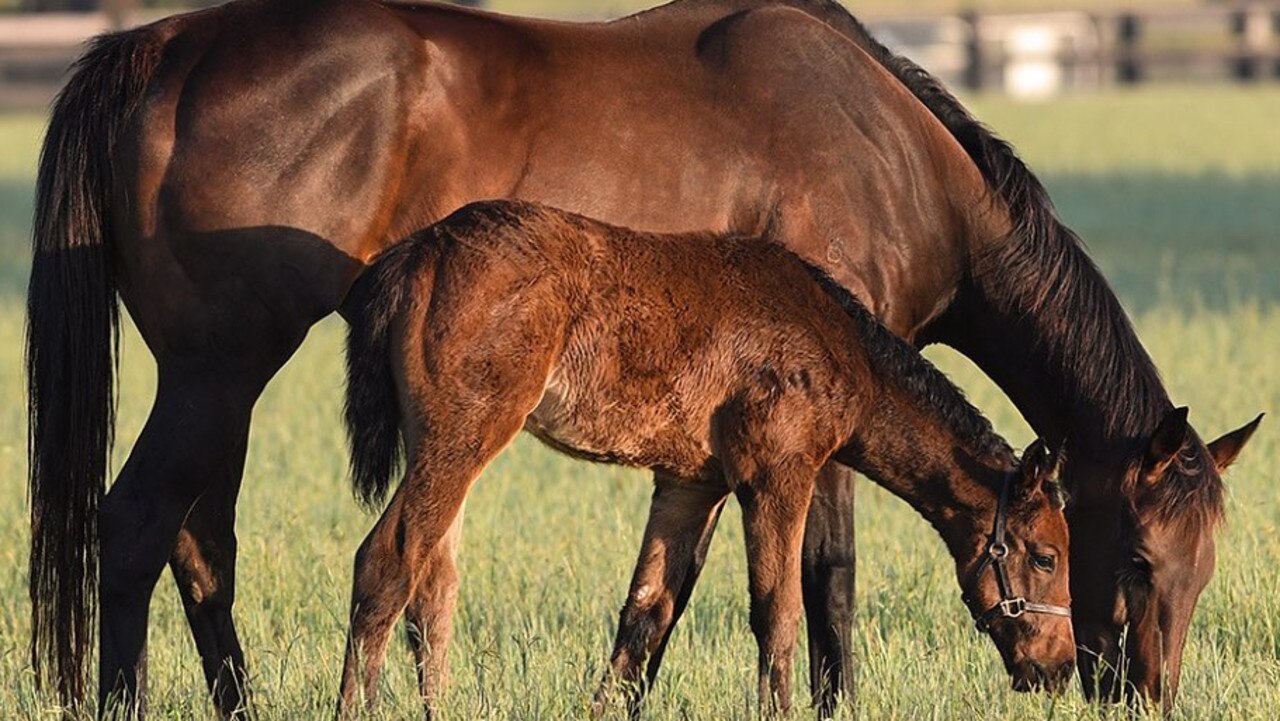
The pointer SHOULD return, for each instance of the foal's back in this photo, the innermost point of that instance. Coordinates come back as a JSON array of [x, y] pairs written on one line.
[[638, 344]]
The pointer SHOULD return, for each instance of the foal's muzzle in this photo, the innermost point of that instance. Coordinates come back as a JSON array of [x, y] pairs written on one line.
[[1031, 676]]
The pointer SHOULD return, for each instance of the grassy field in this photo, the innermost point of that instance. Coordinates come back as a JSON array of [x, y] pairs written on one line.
[[1176, 191]]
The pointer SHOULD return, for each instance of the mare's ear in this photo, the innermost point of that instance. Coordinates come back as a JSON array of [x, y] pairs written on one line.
[[1163, 447], [1225, 449]]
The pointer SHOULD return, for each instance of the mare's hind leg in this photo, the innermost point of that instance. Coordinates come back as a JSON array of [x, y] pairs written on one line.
[[195, 437], [204, 567], [827, 575], [682, 518], [429, 615], [774, 502]]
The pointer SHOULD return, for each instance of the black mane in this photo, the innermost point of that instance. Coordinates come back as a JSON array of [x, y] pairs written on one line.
[[1041, 275]]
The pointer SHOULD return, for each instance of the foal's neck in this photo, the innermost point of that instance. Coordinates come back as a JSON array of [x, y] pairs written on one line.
[[947, 475], [918, 436]]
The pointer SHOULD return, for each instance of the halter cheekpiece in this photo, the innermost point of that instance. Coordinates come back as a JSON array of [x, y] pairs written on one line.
[[1009, 606]]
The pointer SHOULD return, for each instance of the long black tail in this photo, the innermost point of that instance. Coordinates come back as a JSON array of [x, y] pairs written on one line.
[[72, 335], [372, 406]]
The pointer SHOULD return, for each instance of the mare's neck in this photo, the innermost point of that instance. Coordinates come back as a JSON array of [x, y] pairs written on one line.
[[1040, 320]]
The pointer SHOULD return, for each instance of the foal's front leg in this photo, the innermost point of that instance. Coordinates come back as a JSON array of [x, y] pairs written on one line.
[[682, 518], [774, 503]]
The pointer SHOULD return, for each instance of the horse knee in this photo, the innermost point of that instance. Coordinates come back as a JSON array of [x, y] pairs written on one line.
[[385, 560], [761, 619], [207, 585], [369, 565]]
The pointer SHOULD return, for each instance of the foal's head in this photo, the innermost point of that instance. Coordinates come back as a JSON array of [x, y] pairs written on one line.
[[1016, 581]]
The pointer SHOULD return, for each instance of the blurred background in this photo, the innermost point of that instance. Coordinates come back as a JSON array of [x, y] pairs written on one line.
[[1155, 125], [1026, 48]]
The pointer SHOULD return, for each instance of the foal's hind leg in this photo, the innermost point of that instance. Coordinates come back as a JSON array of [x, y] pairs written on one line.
[[774, 502], [681, 520], [399, 552], [429, 615]]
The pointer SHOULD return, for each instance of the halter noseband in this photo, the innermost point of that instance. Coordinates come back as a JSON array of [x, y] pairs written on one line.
[[1009, 606]]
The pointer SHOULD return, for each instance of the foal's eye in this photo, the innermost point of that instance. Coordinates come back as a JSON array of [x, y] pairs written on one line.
[[1044, 563]]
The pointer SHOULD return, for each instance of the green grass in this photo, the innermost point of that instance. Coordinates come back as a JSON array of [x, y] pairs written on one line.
[[1176, 192]]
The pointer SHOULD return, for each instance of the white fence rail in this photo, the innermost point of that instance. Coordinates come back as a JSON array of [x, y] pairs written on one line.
[[1026, 55]]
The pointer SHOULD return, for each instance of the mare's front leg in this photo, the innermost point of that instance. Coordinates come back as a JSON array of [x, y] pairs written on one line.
[[827, 574], [774, 502], [682, 518]]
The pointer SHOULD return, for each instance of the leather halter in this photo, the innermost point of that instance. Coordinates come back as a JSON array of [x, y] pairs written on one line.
[[1009, 606]]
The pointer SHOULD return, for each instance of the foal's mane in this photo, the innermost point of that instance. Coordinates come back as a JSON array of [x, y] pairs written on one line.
[[895, 359]]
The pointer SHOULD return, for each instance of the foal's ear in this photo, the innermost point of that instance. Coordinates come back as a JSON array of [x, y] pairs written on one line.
[[1057, 459], [1165, 443], [1225, 449], [1038, 465]]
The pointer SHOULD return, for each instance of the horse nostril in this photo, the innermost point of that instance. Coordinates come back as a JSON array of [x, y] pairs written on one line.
[[1031, 677], [1038, 675], [1061, 675]]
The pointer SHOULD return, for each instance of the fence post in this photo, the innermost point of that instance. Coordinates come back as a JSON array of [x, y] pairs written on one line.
[[1252, 27], [1275, 31], [974, 69], [119, 12], [1128, 39]]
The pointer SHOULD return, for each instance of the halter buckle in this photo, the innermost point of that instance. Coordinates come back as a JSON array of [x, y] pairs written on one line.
[[1012, 607], [998, 550]]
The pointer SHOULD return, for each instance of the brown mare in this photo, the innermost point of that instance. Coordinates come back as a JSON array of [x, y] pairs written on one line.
[[228, 173], [716, 360]]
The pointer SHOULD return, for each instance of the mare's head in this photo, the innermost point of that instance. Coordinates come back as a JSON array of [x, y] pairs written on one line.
[[1134, 605], [1015, 579]]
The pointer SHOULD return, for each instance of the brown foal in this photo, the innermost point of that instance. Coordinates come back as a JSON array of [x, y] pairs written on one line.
[[725, 363]]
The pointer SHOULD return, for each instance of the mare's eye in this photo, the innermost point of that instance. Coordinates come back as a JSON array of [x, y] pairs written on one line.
[[1044, 563], [1136, 574], [1139, 564]]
